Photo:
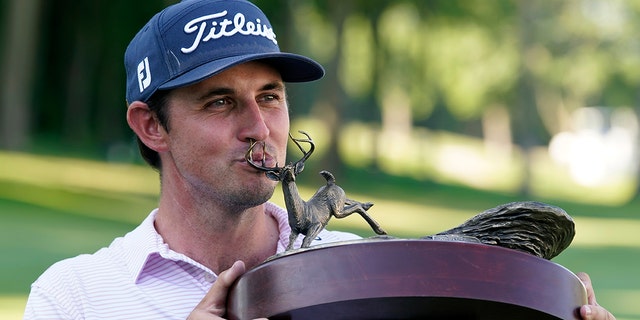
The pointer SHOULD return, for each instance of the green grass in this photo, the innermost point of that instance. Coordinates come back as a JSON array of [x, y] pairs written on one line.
[[50, 210], [33, 237]]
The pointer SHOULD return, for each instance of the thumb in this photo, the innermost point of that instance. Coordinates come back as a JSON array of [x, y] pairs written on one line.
[[215, 301]]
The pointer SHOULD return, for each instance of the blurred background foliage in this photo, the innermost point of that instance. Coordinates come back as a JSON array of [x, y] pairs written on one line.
[[508, 99], [411, 86]]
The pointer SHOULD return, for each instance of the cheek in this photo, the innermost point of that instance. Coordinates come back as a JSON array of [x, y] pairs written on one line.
[[280, 132], [191, 137]]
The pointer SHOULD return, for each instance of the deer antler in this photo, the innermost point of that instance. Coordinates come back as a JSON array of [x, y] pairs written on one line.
[[272, 173], [299, 165], [275, 172]]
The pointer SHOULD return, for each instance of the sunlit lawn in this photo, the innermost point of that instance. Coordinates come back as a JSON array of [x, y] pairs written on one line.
[[53, 208]]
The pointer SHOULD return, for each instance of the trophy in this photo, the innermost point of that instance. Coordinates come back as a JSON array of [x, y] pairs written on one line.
[[494, 266]]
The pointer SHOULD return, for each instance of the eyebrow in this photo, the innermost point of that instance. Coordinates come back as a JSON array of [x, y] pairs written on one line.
[[276, 85], [215, 92]]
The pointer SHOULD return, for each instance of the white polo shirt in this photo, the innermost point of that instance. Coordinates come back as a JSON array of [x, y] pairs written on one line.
[[136, 277]]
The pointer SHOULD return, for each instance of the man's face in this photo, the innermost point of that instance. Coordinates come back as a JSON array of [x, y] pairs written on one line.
[[211, 124]]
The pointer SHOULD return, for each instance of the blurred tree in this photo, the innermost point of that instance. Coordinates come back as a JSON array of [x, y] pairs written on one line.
[[21, 34], [574, 54], [461, 66], [78, 96]]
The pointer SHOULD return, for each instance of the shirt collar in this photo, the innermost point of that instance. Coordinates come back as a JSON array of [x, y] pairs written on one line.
[[140, 244], [144, 243]]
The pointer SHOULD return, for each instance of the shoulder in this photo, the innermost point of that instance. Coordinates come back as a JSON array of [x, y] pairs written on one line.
[[78, 270], [60, 290], [121, 259]]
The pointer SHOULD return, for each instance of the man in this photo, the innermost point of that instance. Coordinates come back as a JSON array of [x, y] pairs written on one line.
[[205, 78]]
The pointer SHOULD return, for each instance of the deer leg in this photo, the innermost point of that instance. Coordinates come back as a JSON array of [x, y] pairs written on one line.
[[349, 207], [311, 234], [361, 208], [365, 206], [374, 225], [345, 212], [292, 239]]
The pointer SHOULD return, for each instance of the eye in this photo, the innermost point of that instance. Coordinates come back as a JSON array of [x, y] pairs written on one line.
[[269, 98], [217, 103]]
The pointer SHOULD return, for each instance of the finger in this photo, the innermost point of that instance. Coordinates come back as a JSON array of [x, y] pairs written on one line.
[[591, 296], [591, 312], [215, 301]]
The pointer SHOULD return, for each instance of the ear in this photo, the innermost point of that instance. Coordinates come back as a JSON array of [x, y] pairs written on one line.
[[299, 166], [146, 126]]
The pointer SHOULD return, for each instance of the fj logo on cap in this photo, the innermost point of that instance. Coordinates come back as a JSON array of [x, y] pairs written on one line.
[[144, 74], [224, 28]]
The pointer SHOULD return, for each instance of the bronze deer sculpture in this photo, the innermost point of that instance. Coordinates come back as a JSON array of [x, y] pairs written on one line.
[[311, 216]]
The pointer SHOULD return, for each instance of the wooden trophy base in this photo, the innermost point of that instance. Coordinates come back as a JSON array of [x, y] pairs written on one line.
[[407, 279]]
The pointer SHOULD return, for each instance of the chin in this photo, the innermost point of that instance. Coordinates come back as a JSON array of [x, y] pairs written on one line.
[[252, 197]]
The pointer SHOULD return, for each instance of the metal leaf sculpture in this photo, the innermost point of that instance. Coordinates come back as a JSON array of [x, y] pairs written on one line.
[[533, 227]]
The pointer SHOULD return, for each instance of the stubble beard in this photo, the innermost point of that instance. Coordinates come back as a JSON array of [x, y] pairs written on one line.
[[240, 197], [252, 198]]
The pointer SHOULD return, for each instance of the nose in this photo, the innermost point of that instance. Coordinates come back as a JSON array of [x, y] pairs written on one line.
[[253, 123]]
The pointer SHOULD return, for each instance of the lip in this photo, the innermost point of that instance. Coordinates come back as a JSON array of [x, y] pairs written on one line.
[[260, 156], [268, 162]]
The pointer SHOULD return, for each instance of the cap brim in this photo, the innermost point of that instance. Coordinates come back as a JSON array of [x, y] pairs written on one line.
[[292, 68]]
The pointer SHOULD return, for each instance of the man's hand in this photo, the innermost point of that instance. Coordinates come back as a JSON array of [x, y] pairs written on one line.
[[214, 303], [592, 310]]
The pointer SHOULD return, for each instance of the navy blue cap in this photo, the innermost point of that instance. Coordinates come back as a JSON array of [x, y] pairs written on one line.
[[195, 39]]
